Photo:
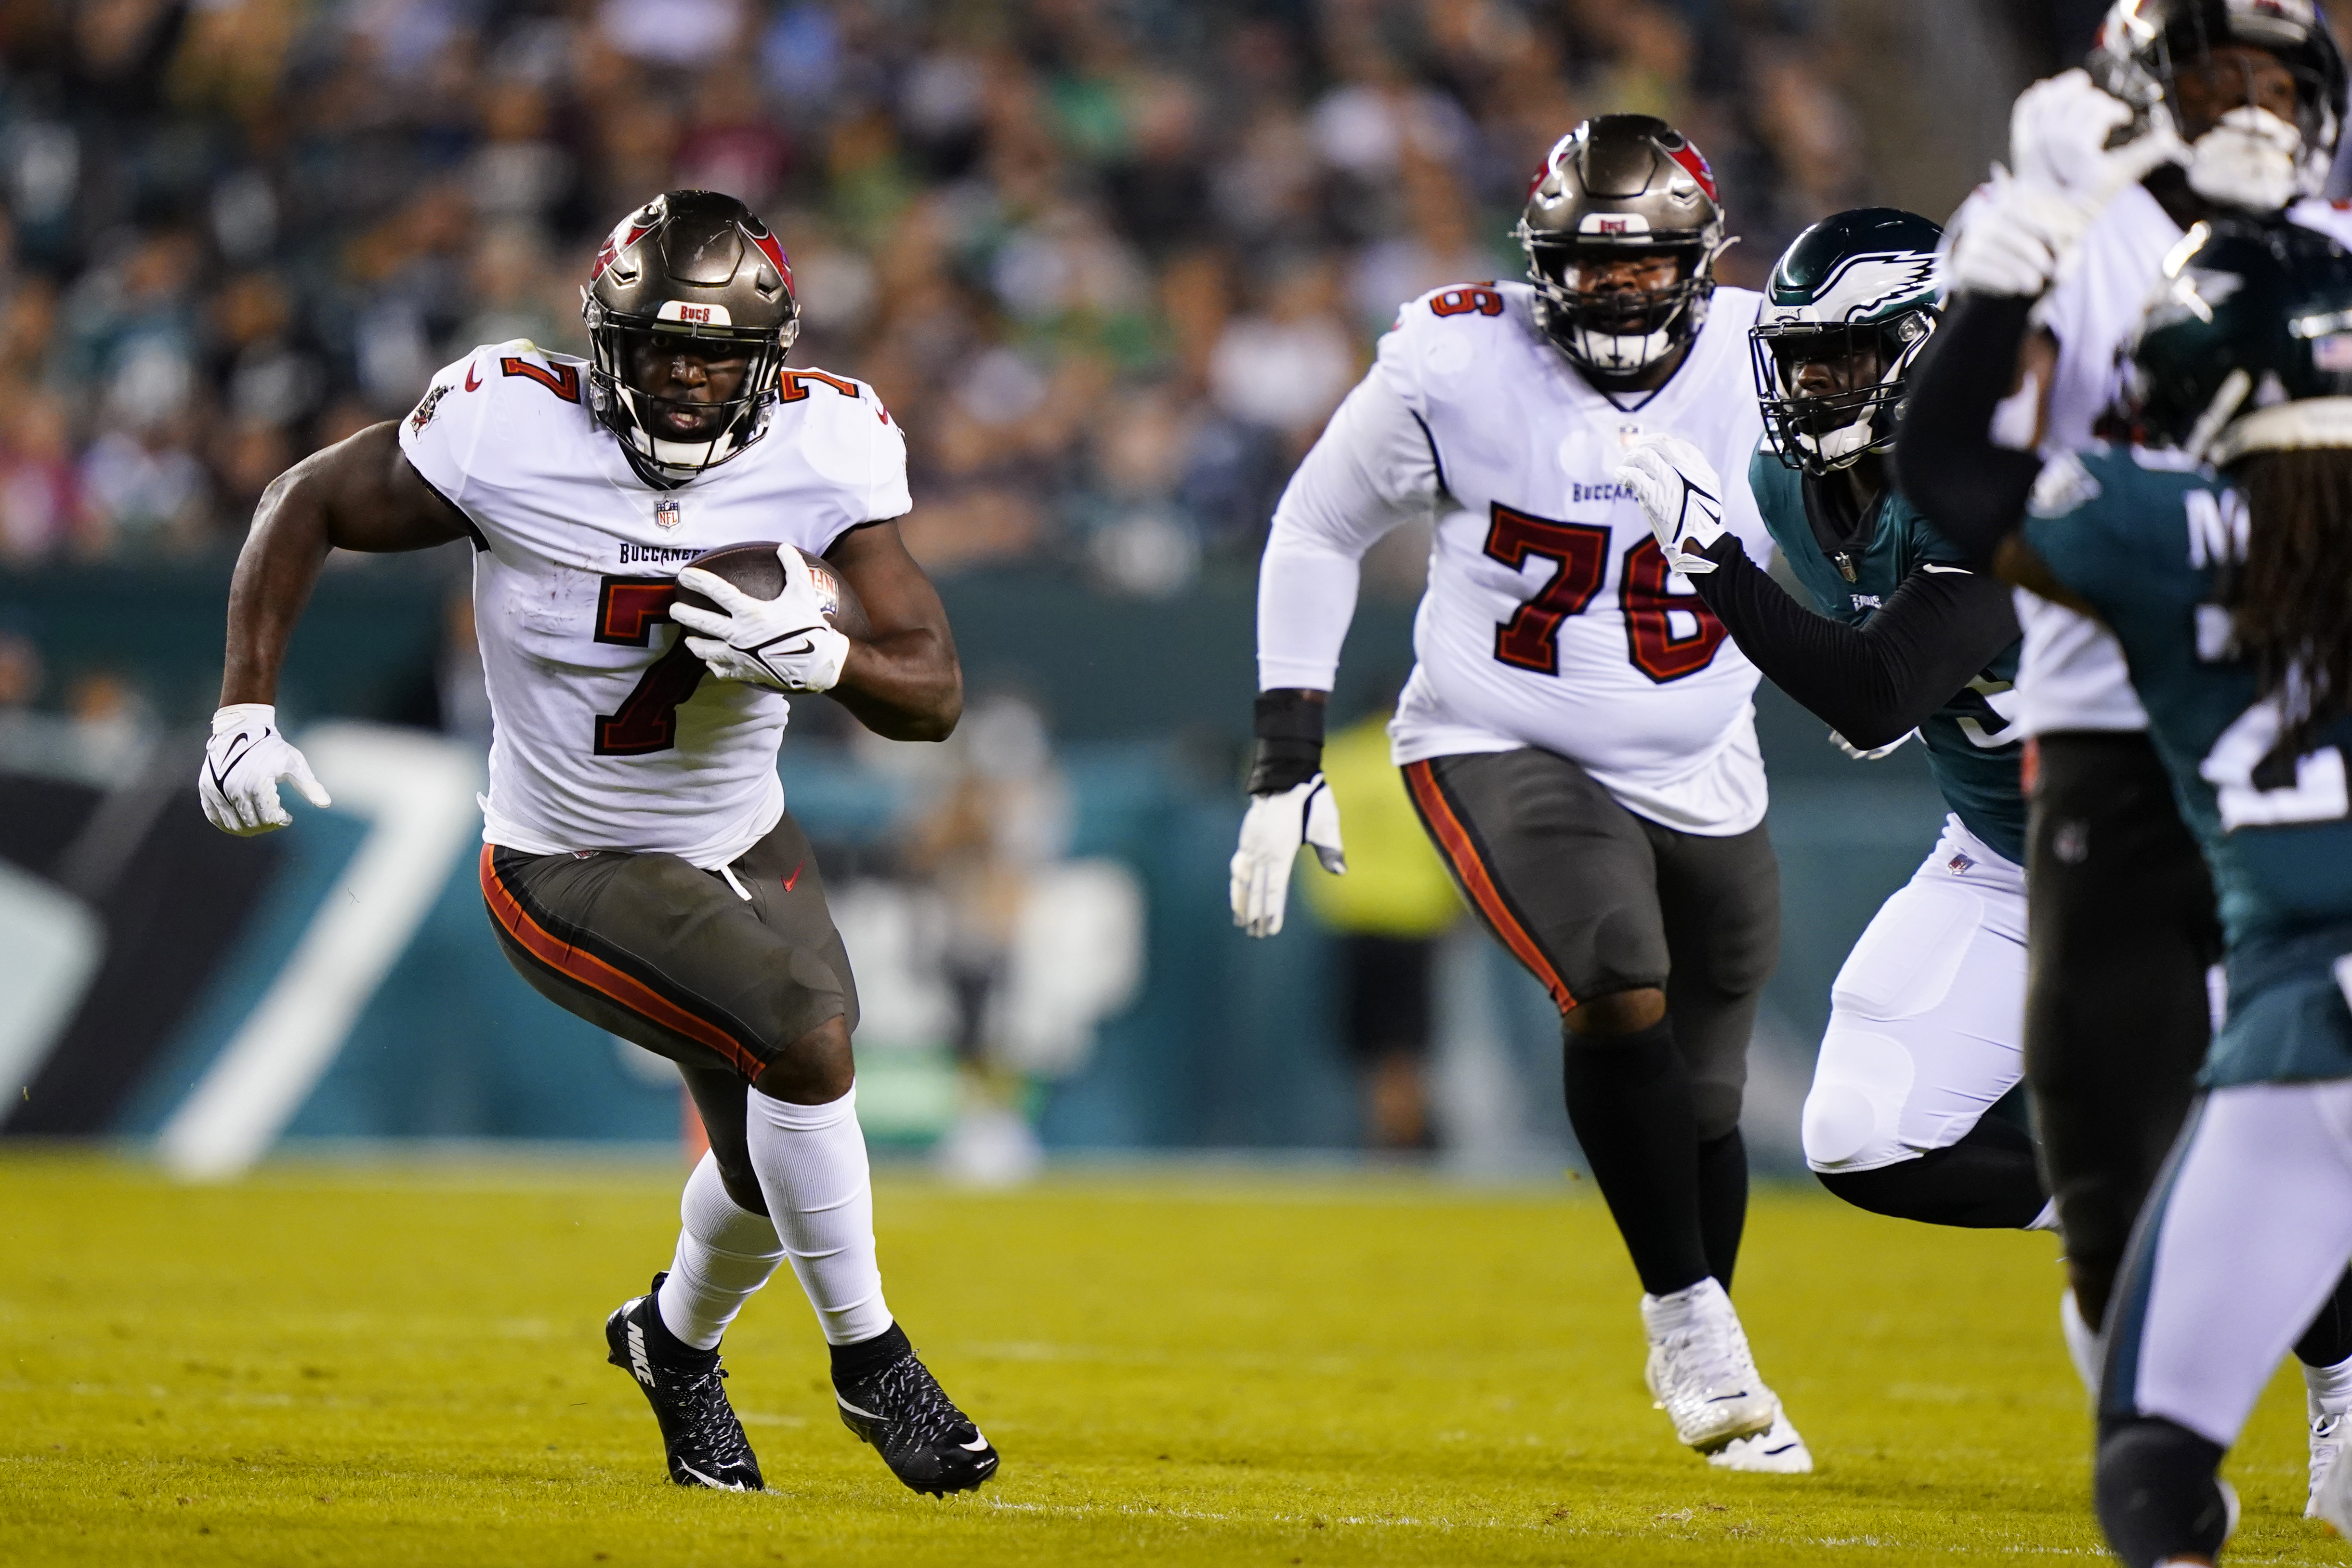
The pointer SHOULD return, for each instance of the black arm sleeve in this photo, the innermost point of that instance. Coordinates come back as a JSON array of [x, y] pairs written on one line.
[[1873, 683], [1973, 491]]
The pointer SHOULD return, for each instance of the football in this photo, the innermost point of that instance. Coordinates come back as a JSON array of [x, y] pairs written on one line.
[[753, 567]]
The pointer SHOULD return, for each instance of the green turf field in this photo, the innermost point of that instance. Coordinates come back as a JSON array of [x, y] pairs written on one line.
[[356, 1365]]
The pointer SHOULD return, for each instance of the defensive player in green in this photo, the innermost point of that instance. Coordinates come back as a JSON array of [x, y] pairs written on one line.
[[1904, 637], [2219, 551]]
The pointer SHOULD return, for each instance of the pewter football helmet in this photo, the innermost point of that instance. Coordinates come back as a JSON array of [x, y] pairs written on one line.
[[688, 264], [1621, 185]]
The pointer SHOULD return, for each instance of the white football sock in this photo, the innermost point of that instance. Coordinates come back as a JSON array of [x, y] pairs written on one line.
[[2328, 1389], [811, 1160], [725, 1252], [1676, 1310], [2082, 1343]]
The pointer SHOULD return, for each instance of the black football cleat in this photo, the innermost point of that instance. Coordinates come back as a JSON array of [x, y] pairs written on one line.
[[703, 1441], [926, 1442]]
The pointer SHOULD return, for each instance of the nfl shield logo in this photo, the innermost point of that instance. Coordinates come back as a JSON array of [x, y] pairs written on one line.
[[666, 513]]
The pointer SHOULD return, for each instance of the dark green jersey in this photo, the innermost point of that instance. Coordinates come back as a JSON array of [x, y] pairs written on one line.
[[2142, 539], [1972, 749]]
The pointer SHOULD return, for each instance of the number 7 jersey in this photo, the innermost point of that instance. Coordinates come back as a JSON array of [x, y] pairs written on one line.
[[1552, 618], [607, 733]]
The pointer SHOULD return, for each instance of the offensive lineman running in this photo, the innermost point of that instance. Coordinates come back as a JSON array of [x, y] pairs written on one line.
[[1927, 1012], [637, 861], [1576, 735]]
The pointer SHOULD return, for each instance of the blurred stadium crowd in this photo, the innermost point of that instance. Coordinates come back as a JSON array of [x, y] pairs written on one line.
[[1111, 262]]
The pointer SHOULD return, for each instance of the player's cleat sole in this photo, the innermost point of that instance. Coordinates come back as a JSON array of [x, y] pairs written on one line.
[[1777, 1451], [927, 1443], [701, 1439]]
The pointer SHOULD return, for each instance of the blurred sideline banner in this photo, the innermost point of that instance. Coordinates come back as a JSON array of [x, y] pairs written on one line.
[[364, 997], [211, 994]]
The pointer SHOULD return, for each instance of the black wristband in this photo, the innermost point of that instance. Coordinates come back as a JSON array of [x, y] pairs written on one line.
[[1289, 726]]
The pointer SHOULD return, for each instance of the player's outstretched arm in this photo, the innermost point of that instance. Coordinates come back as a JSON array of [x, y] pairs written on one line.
[[1876, 682], [1873, 683], [359, 494], [1973, 490], [906, 684]]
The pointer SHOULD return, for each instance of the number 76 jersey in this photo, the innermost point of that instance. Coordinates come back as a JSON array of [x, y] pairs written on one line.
[[607, 732], [1551, 617]]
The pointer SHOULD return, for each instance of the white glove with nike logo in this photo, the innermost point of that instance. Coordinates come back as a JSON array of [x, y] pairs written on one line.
[[2022, 228], [243, 763], [1680, 493], [783, 644], [1272, 832]]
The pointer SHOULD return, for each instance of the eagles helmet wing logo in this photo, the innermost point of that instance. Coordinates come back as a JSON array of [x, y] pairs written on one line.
[[1863, 286]]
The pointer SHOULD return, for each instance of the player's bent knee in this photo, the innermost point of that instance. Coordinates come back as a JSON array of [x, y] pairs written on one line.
[[815, 1069], [1619, 1013], [1715, 1108], [1853, 1119], [1840, 1123]]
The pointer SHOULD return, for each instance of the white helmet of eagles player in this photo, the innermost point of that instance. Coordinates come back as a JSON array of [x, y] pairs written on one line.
[[2254, 87]]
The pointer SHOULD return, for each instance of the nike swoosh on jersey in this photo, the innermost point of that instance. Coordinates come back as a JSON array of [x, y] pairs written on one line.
[[473, 382], [1949, 571]]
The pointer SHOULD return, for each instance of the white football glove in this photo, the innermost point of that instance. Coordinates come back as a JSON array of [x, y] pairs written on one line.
[[1680, 493], [2019, 237], [2016, 238], [243, 763], [2059, 132], [783, 644], [1272, 832]]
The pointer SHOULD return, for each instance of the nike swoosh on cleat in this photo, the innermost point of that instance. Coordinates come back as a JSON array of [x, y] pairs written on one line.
[[706, 1480], [853, 1410], [975, 1446]]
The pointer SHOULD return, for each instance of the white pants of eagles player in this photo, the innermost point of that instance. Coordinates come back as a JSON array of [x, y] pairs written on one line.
[[2251, 1229], [1927, 1016]]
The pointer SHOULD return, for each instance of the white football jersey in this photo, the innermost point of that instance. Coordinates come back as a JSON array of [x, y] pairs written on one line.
[[1551, 617], [606, 732], [2071, 672]]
